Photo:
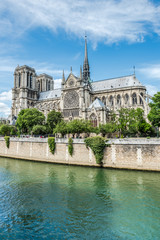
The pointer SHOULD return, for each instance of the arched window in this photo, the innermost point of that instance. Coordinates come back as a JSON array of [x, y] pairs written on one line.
[[119, 100], [27, 79], [134, 99], [141, 98], [19, 80], [31, 80], [38, 86], [126, 98], [104, 100], [93, 119], [111, 100]]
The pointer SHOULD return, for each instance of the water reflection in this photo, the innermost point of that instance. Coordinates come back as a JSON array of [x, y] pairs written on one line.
[[66, 202]]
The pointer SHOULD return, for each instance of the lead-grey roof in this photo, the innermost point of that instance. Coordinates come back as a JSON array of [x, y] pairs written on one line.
[[121, 82], [56, 93], [97, 104]]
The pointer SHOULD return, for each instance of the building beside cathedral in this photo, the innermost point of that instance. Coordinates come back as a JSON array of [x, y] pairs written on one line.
[[78, 97]]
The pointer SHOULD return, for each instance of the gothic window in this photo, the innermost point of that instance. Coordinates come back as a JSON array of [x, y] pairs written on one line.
[[111, 100], [126, 98], [31, 81], [27, 79], [38, 86], [141, 98], [71, 100], [49, 86], [93, 119], [104, 100], [134, 99], [19, 80], [119, 100]]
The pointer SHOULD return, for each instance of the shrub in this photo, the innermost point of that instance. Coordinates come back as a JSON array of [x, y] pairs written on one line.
[[7, 140], [70, 146], [97, 144], [52, 144]]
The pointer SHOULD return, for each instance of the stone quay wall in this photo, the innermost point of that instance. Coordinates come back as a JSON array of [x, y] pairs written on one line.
[[138, 154]]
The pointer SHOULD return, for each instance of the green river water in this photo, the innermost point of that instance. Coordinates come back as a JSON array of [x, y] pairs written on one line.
[[49, 201]]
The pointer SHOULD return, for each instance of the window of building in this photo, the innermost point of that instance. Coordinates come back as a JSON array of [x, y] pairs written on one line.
[[141, 98], [31, 81], [19, 80], [27, 79], [93, 119], [104, 100], [111, 101], [119, 100], [134, 99], [49, 86], [126, 98], [38, 86]]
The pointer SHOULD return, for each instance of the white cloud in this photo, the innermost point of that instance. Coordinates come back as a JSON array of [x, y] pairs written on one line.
[[57, 83], [6, 96], [109, 21], [5, 110], [151, 71]]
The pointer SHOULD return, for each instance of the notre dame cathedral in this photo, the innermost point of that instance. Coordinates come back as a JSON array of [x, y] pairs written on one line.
[[78, 97]]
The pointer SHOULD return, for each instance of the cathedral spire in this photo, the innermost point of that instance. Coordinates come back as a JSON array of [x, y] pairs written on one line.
[[86, 72]]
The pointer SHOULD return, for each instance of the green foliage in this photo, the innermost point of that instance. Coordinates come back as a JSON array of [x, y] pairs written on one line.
[[39, 130], [7, 140], [70, 146], [5, 129], [109, 127], [154, 114], [79, 126], [61, 128], [97, 144], [53, 119], [27, 118], [13, 130], [131, 122], [52, 144]]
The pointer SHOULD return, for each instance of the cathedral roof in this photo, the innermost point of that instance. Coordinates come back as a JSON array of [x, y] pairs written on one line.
[[97, 104], [113, 83], [56, 93]]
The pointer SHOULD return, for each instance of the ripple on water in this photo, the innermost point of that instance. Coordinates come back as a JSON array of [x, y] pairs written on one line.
[[44, 201]]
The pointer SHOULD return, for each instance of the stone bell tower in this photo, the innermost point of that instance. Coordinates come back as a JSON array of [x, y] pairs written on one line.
[[24, 92]]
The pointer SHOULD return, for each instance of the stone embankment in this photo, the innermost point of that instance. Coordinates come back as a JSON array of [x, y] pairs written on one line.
[[138, 154]]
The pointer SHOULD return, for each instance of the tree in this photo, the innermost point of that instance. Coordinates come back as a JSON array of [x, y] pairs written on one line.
[[5, 129], [53, 119], [109, 127], [61, 128], [39, 130], [131, 122], [27, 118], [154, 114], [79, 126]]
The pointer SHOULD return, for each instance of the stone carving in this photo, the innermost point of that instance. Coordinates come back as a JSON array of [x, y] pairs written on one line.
[[71, 100]]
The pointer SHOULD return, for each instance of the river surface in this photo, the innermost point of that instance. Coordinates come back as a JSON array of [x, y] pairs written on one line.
[[47, 201]]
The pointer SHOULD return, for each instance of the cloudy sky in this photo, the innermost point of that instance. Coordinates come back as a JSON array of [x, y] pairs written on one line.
[[48, 35]]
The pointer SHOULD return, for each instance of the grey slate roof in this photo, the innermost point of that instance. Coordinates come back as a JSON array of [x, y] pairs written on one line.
[[97, 104], [113, 83], [56, 93]]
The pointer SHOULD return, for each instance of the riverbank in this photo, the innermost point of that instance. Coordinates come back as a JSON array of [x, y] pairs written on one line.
[[135, 153]]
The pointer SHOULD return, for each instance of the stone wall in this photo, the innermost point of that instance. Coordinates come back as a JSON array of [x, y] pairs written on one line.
[[139, 154]]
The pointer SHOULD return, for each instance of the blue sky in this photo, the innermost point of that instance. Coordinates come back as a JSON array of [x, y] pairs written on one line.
[[48, 35]]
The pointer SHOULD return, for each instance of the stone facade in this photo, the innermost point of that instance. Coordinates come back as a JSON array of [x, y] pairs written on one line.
[[137, 154], [78, 97]]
